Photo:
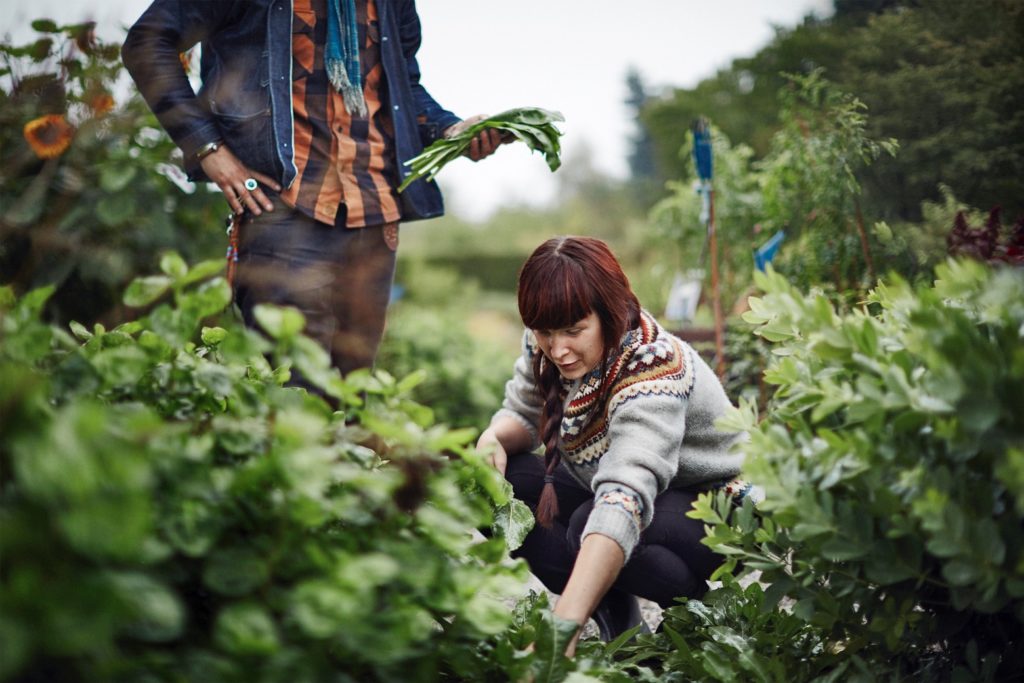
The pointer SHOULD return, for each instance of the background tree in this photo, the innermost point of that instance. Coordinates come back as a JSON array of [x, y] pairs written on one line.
[[945, 78]]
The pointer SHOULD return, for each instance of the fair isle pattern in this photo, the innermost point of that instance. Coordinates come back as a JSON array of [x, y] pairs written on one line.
[[650, 362], [630, 502], [737, 488]]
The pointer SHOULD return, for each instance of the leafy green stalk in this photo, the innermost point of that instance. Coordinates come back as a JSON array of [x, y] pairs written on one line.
[[530, 125]]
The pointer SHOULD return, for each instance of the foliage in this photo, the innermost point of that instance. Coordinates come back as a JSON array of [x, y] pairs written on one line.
[[170, 511], [741, 100], [943, 77], [466, 379], [675, 219], [810, 184], [533, 126], [806, 187], [92, 212], [732, 634], [893, 461]]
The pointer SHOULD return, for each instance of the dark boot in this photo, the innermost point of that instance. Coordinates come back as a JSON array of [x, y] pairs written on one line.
[[618, 612]]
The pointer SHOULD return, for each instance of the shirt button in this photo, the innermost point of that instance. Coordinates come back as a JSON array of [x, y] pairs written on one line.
[[396, 107], [384, 39]]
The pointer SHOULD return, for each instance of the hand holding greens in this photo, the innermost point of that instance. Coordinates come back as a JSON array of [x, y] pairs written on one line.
[[532, 125]]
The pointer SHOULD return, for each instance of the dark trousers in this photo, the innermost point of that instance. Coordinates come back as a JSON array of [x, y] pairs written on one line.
[[339, 278], [669, 562]]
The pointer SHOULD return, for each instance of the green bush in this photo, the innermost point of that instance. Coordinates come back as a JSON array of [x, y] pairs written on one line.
[[92, 197], [169, 511], [466, 379], [893, 460]]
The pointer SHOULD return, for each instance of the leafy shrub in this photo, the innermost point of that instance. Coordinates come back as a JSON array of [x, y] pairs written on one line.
[[893, 459], [170, 511], [91, 192], [732, 634], [430, 328]]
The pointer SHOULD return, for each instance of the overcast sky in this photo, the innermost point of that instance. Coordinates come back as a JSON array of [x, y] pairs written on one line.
[[484, 56]]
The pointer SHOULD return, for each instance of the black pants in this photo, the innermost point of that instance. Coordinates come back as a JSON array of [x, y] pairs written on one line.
[[669, 562], [339, 278]]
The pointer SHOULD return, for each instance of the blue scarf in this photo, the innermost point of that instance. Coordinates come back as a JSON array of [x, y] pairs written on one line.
[[342, 58]]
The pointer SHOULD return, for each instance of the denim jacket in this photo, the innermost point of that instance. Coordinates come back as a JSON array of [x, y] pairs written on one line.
[[246, 94]]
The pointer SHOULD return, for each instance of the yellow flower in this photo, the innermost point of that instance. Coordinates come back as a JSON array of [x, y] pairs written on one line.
[[49, 136]]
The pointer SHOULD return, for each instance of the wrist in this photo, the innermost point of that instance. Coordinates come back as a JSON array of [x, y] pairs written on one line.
[[206, 150]]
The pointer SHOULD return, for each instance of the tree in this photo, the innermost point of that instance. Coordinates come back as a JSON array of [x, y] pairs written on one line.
[[641, 152]]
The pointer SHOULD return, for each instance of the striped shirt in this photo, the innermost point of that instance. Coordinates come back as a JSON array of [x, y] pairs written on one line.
[[341, 159]]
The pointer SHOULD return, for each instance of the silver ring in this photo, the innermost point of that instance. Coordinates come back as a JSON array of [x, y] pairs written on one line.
[[251, 184]]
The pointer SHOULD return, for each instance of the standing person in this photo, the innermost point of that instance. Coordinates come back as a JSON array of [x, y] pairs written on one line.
[[625, 412], [307, 113]]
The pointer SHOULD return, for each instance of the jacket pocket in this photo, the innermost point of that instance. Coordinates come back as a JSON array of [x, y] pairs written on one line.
[[249, 134]]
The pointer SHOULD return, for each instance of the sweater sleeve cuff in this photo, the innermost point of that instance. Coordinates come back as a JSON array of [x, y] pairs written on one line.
[[617, 513]]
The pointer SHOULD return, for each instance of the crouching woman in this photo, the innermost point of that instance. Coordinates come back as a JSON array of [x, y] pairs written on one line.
[[625, 412]]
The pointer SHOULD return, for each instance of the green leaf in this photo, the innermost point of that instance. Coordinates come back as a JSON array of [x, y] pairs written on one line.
[[202, 271], [155, 614], [212, 336], [961, 572], [31, 305], [40, 49], [278, 321], [80, 331], [245, 629], [550, 665], [121, 366], [235, 571], [322, 609], [209, 298], [114, 210], [513, 520], [173, 265], [839, 549], [45, 26], [145, 290], [116, 177]]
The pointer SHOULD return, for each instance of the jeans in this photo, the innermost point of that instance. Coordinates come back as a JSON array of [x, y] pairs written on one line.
[[669, 561], [339, 278]]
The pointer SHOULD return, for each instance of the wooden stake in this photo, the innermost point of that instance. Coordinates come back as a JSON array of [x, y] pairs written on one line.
[[716, 299]]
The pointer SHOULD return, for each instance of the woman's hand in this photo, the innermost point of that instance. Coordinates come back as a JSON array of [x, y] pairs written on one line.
[[496, 455], [229, 173]]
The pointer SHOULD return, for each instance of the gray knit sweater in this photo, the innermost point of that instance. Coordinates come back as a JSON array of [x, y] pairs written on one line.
[[656, 430]]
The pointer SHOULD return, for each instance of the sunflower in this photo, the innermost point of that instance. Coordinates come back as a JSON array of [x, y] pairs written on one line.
[[49, 136], [101, 103]]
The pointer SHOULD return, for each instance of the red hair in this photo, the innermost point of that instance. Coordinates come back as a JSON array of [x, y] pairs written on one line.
[[565, 280]]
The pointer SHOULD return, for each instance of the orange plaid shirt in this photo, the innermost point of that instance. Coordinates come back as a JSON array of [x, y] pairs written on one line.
[[341, 159]]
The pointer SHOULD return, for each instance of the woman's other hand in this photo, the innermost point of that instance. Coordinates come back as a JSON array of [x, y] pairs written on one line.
[[491, 447]]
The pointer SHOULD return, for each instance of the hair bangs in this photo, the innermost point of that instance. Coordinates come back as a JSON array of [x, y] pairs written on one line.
[[554, 294]]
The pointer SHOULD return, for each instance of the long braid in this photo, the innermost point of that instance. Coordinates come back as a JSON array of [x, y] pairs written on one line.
[[551, 424]]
